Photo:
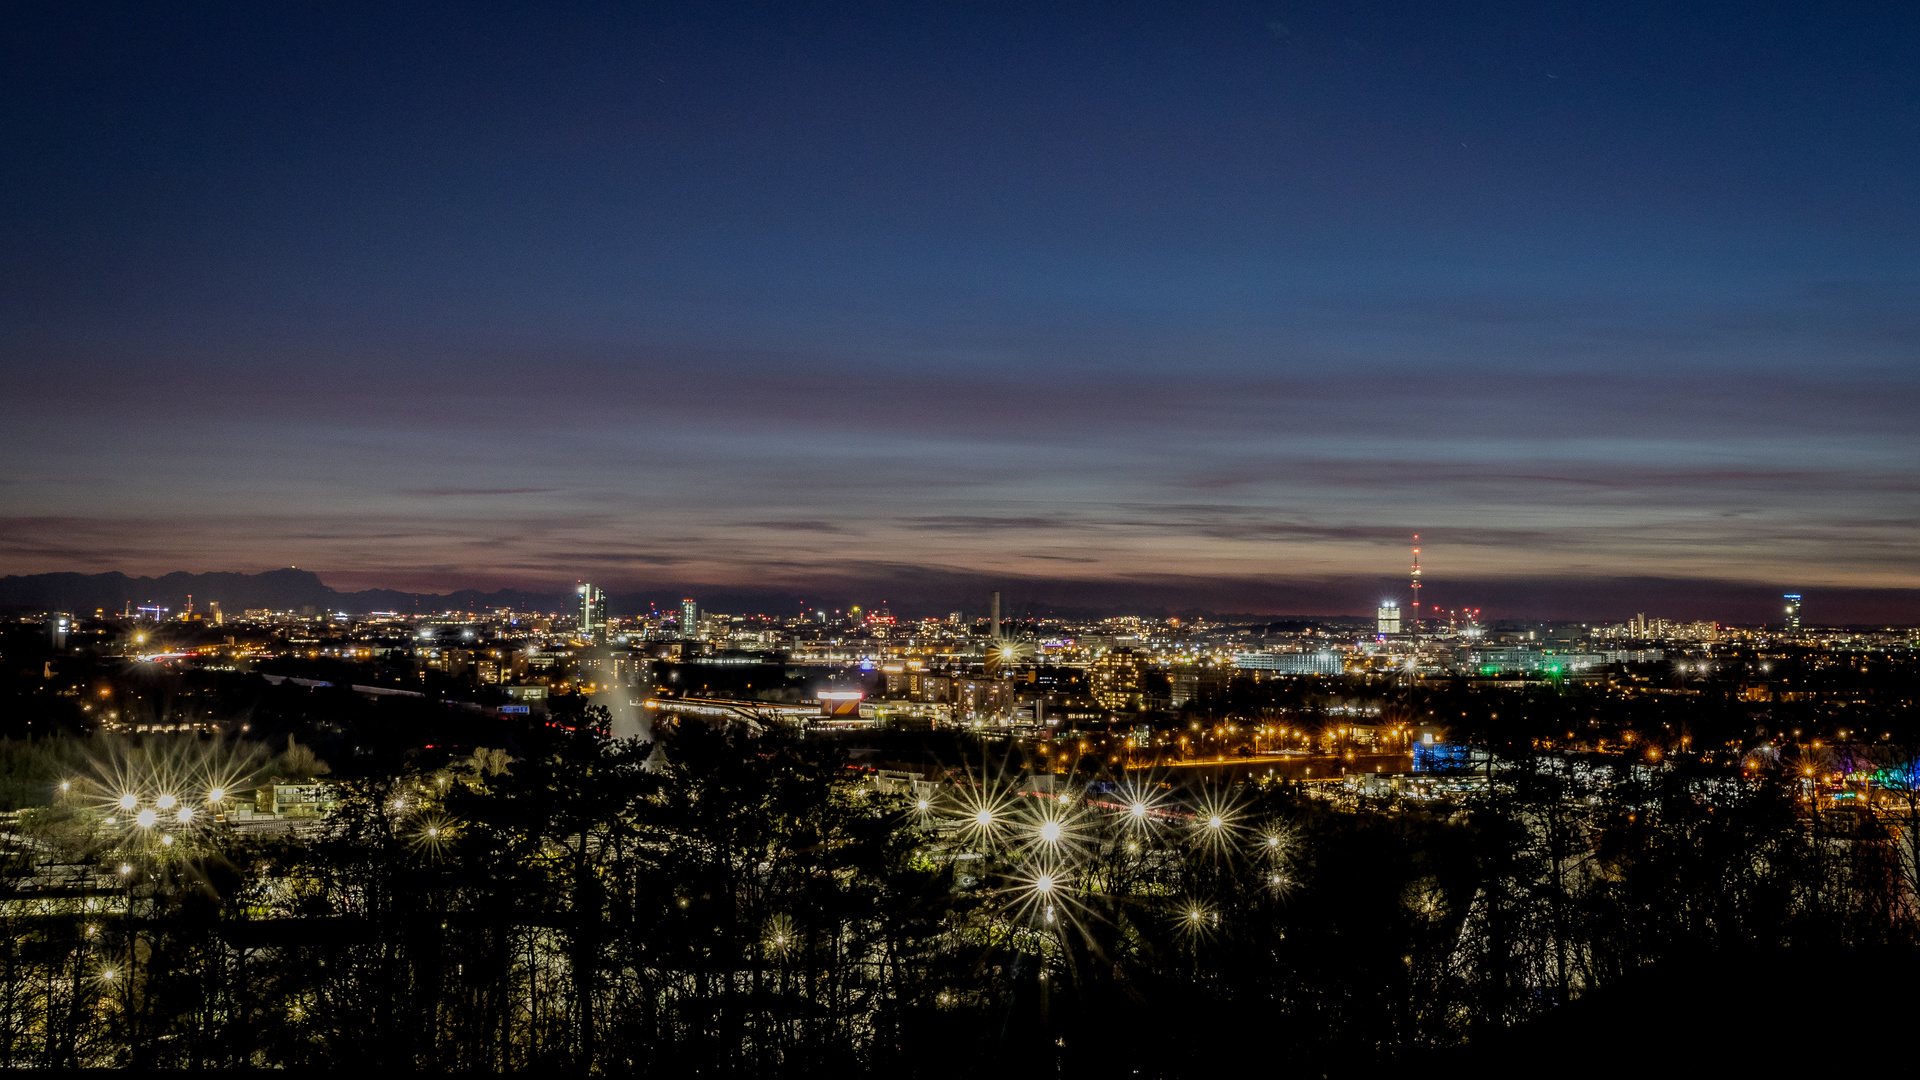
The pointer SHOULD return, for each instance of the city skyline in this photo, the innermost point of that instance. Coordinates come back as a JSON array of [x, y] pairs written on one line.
[[759, 539], [292, 589], [1170, 309]]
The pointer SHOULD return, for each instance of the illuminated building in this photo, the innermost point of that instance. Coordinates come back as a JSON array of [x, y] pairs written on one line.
[[284, 799], [593, 613], [1316, 663], [838, 702], [1497, 660], [1387, 618], [689, 619], [1119, 679], [1793, 612]]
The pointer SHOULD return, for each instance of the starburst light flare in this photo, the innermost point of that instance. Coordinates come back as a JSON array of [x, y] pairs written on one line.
[[1196, 919], [1051, 828], [987, 813], [1043, 896], [779, 936], [433, 834], [1144, 804], [1215, 821], [1274, 843], [164, 776]]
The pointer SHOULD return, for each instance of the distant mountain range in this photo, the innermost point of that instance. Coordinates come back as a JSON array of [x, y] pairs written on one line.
[[280, 590], [298, 590], [934, 594]]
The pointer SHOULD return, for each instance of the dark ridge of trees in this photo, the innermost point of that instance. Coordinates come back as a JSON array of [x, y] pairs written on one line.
[[750, 906]]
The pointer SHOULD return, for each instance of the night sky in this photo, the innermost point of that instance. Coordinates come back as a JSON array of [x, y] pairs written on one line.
[[1618, 305]]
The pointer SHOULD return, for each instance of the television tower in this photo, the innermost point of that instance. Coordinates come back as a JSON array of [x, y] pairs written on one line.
[[1416, 590]]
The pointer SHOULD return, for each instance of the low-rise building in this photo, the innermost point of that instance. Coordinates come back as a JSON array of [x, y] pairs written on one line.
[[294, 799]]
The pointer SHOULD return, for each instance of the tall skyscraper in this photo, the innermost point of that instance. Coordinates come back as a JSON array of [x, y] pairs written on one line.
[[1793, 612], [593, 613], [1387, 618], [689, 619]]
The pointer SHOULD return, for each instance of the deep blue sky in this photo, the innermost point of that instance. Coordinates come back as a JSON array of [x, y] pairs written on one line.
[[1194, 301]]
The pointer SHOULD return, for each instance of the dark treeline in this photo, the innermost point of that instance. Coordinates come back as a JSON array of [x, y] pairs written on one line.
[[752, 906]]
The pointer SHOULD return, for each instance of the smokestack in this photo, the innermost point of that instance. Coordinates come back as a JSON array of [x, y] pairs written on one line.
[[996, 616]]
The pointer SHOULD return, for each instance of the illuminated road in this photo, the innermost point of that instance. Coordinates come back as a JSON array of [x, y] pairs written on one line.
[[1304, 768]]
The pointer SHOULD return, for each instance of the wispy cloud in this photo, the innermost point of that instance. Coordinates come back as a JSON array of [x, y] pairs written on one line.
[[982, 523], [796, 526], [445, 492]]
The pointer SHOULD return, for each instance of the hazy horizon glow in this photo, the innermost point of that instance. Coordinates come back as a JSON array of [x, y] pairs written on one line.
[[756, 298]]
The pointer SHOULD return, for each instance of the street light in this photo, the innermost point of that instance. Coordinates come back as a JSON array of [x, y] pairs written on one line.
[[147, 819], [128, 801]]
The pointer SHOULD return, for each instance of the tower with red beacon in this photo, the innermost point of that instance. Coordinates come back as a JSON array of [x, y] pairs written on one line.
[[1416, 590]]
